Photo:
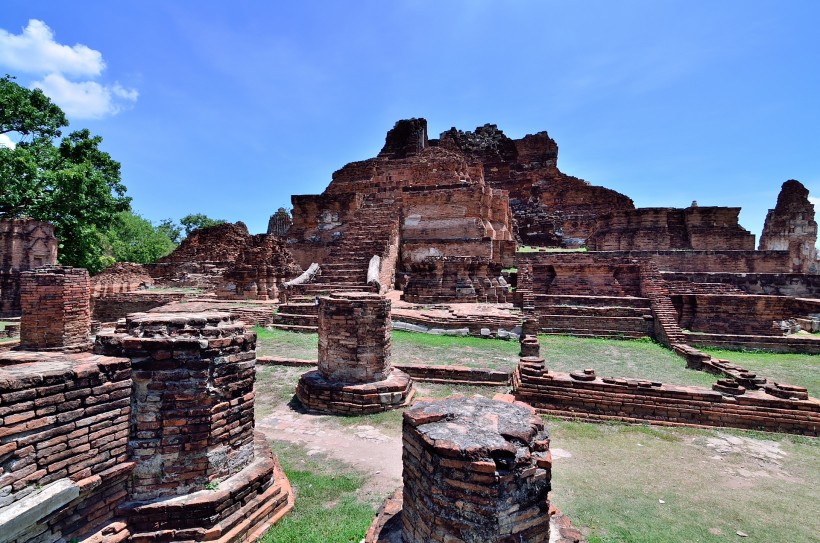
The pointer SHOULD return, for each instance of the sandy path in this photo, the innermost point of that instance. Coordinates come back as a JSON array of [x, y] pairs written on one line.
[[367, 449]]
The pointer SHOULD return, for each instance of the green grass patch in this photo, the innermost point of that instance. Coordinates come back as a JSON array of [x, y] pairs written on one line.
[[794, 369], [632, 359], [642, 484], [286, 344], [326, 507]]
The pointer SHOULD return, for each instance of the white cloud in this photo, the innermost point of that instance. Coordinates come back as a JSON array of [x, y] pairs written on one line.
[[35, 51], [815, 201], [5, 141], [86, 99], [66, 73]]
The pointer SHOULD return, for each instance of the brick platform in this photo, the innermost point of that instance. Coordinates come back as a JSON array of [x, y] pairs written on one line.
[[355, 374]]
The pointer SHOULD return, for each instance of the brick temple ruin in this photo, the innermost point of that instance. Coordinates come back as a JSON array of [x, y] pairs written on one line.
[[151, 437]]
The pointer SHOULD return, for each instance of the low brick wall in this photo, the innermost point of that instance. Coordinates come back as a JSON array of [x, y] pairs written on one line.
[[585, 396], [776, 284], [739, 314], [64, 417], [111, 307], [775, 344]]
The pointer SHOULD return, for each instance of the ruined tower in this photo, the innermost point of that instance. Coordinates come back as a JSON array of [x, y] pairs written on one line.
[[791, 226]]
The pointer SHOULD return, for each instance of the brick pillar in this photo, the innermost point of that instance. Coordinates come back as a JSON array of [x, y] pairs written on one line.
[[355, 333], [56, 309], [355, 374], [475, 470], [192, 404]]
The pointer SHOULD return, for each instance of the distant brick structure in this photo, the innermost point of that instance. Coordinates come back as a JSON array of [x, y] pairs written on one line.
[[355, 374], [56, 309], [651, 229], [475, 470], [25, 244], [791, 226], [279, 223]]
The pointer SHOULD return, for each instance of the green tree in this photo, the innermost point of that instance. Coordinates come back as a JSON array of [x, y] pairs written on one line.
[[132, 238], [197, 221], [68, 182]]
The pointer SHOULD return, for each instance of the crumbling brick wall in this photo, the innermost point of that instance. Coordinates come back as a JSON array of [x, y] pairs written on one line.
[[25, 244], [583, 395], [791, 226], [694, 228], [64, 418]]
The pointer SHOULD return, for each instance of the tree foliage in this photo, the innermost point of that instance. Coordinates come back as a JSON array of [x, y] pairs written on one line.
[[196, 221], [69, 182], [131, 238]]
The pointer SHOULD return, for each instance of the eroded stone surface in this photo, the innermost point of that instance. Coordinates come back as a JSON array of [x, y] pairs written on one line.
[[475, 470]]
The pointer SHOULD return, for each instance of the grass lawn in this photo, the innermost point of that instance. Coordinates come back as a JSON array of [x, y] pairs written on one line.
[[646, 484], [617, 482], [615, 358], [326, 507], [794, 369]]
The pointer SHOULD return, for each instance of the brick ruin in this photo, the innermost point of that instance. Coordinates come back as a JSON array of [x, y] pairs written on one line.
[[225, 258], [56, 309], [149, 439], [790, 226], [660, 229], [489, 458], [25, 244], [586, 396], [355, 374], [279, 223]]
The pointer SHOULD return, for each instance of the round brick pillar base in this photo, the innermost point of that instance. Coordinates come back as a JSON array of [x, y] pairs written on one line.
[[319, 394]]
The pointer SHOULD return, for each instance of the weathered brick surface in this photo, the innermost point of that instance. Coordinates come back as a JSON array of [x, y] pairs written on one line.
[[742, 314], [791, 226], [584, 395], [225, 258], [65, 416], [56, 309], [778, 284], [651, 228], [192, 418], [475, 470], [454, 279], [355, 374], [113, 306], [25, 244], [120, 277]]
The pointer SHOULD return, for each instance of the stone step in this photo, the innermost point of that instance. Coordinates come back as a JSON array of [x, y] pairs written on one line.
[[576, 332], [295, 328]]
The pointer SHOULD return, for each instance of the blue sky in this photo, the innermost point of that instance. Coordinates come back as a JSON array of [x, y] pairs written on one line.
[[228, 108]]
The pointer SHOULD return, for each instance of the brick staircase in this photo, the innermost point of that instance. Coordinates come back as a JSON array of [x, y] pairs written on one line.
[[667, 330], [297, 317], [594, 316], [370, 231]]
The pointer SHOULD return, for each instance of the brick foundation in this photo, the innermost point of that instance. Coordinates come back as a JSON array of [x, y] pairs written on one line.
[[355, 374], [475, 470], [56, 309], [583, 395]]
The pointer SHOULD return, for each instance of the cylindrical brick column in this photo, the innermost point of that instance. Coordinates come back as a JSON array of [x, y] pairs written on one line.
[[56, 309], [192, 404], [354, 337], [355, 374], [475, 470]]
